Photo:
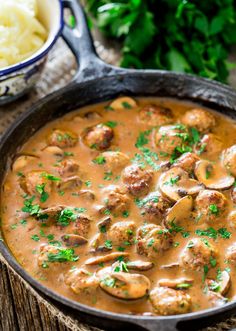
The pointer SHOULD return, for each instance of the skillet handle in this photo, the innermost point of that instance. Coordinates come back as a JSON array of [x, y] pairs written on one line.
[[81, 44]]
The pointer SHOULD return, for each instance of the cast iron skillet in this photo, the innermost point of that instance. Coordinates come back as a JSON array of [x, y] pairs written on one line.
[[96, 81]]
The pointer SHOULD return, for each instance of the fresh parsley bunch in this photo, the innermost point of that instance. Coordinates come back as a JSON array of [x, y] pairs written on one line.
[[181, 35]]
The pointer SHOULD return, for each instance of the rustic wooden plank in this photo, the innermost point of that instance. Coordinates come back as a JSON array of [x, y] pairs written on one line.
[[8, 319]]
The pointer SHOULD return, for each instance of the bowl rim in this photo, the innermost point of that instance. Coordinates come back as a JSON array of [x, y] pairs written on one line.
[[41, 54]]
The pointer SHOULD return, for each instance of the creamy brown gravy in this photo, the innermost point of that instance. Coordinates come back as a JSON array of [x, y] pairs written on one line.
[[18, 234]]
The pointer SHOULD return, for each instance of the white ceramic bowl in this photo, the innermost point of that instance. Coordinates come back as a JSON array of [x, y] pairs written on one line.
[[19, 78]]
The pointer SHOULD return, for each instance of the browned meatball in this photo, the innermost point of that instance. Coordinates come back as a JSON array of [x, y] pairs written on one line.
[[154, 207], [231, 254], [33, 181], [62, 138], [121, 233], [166, 301], [68, 168], [155, 115], [116, 199], [233, 194], [80, 280], [209, 145], [197, 254], [98, 137], [114, 161], [229, 159], [81, 226], [187, 162], [169, 137], [137, 180], [200, 119], [153, 240], [210, 205]]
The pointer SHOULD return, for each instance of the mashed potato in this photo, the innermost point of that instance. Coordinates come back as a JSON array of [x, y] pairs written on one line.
[[21, 34]]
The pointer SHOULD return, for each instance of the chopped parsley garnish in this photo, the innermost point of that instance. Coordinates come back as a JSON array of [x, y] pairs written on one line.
[[201, 149], [126, 105], [20, 174], [183, 286], [63, 255], [66, 216], [213, 262], [107, 175], [88, 183], [142, 139], [108, 244], [172, 181], [195, 135], [30, 208], [68, 154], [41, 190], [224, 233], [210, 232], [51, 177], [111, 124], [151, 198], [214, 209], [205, 272], [109, 282], [35, 237], [121, 267], [151, 242], [23, 222], [125, 213], [99, 160], [190, 244]]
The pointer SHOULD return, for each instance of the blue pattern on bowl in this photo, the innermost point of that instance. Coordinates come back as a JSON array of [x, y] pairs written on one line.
[[17, 80]]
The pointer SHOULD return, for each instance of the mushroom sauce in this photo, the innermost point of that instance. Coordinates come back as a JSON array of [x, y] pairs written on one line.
[[128, 206]]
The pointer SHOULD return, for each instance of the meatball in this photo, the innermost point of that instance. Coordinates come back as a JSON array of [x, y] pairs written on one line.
[[233, 195], [98, 137], [232, 219], [137, 180], [209, 145], [35, 182], [80, 280], [210, 205], [200, 119], [68, 168], [121, 233], [167, 301], [51, 254], [80, 226], [155, 115], [197, 254], [114, 161], [62, 139], [187, 162], [154, 207], [153, 240], [231, 254], [116, 199], [169, 137], [229, 159]]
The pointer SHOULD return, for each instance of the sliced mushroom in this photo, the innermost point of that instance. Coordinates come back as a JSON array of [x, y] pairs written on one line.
[[139, 265], [96, 244], [54, 150], [177, 284], [69, 183], [105, 222], [223, 284], [22, 161], [126, 286], [106, 258], [73, 240], [216, 299], [180, 211], [213, 176], [170, 266], [51, 212], [123, 103], [87, 194], [175, 184]]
